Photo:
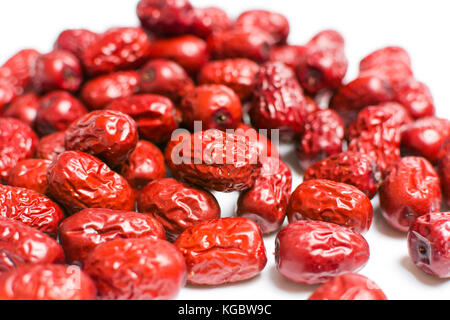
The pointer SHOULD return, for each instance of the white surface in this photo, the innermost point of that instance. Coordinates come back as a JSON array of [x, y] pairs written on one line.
[[420, 27]]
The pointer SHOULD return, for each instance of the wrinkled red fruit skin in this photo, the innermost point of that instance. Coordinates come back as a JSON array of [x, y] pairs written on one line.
[[7, 93], [99, 92], [166, 17], [188, 51], [387, 55], [271, 22], [411, 189], [17, 142], [381, 143], [223, 251], [214, 160], [330, 201], [358, 94], [428, 243], [350, 286], [79, 181], [21, 245], [392, 64], [253, 44], [265, 147], [267, 201], [81, 233], [30, 174], [237, 74], [115, 50], [312, 252], [209, 20], [166, 78], [444, 171], [353, 168], [76, 41], [372, 117], [155, 115], [46, 282], [57, 70], [136, 269], [109, 135], [56, 111], [144, 165], [30, 207], [324, 64], [24, 108], [288, 54], [425, 137], [416, 97], [278, 101], [18, 70], [216, 106], [323, 137], [177, 206], [49, 147]]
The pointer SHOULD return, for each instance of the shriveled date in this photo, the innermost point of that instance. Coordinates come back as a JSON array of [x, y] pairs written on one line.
[[312, 252], [214, 159], [79, 180], [222, 251], [354, 168], [21, 244], [30, 207], [329, 201], [109, 135], [350, 286], [46, 282], [83, 231], [176, 205], [114, 266]]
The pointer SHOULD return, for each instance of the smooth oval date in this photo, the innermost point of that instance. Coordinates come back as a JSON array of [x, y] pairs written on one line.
[[350, 286], [165, 77], [177, 206], [215, 106], [329, 201], [266, 203], [210, 20], [17, 142], [30, 207], [222, 251], [79, 181], [144, 165], [353, 168], [188, 51], [46, 282], [57, 110], [21, 244], [30, 174], [214, 160], [425, 137], [24, 108], [76, 41], [411, 189], [83, 231], [428, 243], [114, 265], [155, 115], [237, 74], [109, 135], [99, 92], [312, 252]]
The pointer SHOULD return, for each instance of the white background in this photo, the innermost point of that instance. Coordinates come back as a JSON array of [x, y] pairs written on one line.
[[422, 27]]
